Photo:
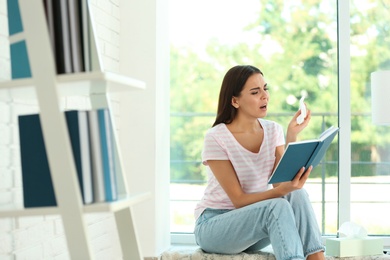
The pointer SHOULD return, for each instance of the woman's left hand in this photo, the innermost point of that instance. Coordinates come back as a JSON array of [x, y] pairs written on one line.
[[294, 128]]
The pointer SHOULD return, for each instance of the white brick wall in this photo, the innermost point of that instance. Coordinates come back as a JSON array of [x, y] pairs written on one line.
[[107, 23], [42, 237], [6, 173]]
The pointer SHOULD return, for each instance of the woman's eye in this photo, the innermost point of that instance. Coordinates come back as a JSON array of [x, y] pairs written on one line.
[[254, 93]]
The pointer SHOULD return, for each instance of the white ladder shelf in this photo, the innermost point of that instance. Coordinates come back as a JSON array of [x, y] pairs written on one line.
[[48, 87]]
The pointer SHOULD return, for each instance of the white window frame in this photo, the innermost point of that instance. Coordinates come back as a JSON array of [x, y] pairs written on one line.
[[344, 88]]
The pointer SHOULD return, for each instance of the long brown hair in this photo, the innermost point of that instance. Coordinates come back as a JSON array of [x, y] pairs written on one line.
[[232, 85]]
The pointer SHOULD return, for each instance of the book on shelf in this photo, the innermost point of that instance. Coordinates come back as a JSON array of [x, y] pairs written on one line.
[[75, 29], [90, 135], [85, 34], [63, 55], [96, 157], [78, 130], [90, 55], [37, 184], [302, 154], [68, 22], [49, 12], [71, 35], [108, 154], [20, 65], [14, 19]]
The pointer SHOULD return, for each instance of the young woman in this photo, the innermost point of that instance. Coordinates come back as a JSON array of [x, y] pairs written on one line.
[[239, 211]]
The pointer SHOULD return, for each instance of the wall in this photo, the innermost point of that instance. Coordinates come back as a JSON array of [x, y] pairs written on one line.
[[145, 133], [42, 237], [7, 140]]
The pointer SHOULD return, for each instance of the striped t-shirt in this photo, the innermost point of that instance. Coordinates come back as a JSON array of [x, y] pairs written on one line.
[[252, 169]]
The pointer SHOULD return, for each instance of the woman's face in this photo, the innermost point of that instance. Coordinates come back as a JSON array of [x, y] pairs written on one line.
[[254, 97]]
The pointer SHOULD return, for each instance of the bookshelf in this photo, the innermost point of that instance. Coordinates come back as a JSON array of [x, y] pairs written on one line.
[[48, 88]]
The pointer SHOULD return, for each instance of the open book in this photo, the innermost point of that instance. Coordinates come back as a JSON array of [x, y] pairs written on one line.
[[302, 154]]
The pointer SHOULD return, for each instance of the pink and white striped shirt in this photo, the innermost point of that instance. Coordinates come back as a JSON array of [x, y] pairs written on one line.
[[252, 169]]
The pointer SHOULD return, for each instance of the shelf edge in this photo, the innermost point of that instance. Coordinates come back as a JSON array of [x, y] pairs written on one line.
[[27, 212], [109, 78], [120, 204]]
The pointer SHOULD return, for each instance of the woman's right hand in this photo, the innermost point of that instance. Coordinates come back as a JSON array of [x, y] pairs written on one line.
[[293, 128], [297, 183]]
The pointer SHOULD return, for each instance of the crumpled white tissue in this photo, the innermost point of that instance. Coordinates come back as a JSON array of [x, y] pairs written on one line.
[[302, 107], [352, 230]]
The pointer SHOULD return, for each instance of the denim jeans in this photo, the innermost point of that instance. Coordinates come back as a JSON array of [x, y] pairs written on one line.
[[288, 224]]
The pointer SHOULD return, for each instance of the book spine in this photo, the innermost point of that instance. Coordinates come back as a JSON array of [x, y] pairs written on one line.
[[85, 32], [106, 138], [96, 157], [14, 19], [20, 65], [75, 35], [62, 37], [37, 184], [79, 137], [50, 23]]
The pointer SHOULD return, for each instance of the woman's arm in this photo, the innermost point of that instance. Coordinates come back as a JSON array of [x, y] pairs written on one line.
[[227, 178]]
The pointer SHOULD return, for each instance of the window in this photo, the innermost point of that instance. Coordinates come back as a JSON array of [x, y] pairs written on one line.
[[370, 175], [295, 44]]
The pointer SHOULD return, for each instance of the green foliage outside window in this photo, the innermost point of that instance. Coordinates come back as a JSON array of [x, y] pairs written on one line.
[[296, 48]]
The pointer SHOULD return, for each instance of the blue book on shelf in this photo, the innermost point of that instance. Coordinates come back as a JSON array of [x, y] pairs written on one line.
[[302, 154], [14, 19], [78, 129], [37, 184], [108, 154], [38, 188], [20, 65]]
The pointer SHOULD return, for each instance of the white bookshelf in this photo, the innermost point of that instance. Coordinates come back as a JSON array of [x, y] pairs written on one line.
[[48, 88], [76, 84]]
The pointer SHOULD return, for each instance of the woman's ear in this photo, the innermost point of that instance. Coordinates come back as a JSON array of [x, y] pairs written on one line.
[[235, 102]]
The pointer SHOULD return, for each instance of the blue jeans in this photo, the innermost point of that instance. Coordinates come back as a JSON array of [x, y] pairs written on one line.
[[288, 224]]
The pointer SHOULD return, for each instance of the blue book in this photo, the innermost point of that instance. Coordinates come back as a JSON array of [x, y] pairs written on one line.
[[78, 129], [38, 188], [302, 154], [108, 154], [20, 65], [36, 179], [14, 19]]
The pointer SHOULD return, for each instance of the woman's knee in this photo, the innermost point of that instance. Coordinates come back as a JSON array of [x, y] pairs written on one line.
[[280, 206], [300, 192], [298, 195]]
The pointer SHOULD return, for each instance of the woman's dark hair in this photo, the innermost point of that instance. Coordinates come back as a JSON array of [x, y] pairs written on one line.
[[232, 85]]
